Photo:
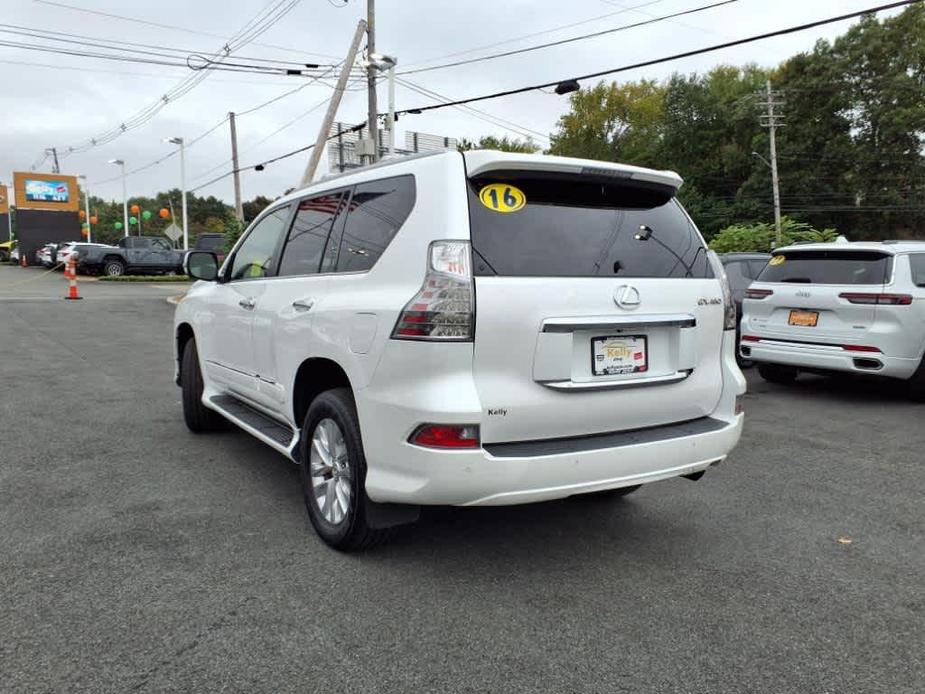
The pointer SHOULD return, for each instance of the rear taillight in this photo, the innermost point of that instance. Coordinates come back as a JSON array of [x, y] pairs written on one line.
[[443, 309], [729, 306], [873, 298], [758, 293], [446, 436], [750, 338]]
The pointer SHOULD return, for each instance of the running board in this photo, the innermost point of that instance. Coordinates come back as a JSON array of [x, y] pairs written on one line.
[[272, 432]]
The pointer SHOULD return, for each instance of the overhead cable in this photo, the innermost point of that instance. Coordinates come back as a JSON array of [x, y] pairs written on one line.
[[572, 39], [666, 59]]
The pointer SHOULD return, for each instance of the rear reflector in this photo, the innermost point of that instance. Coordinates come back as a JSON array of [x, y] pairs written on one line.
[[859, 348], [446, 436], [847, 348], [758, 293], [876, 299]]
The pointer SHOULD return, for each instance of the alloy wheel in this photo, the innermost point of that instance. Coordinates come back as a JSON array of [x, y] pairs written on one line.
[[330, 472]]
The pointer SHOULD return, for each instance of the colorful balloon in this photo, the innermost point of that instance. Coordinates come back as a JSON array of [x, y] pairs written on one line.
[[84, 233], [164, 213], [135, 209], [84, 226], [82, 214], [146, 215], [93, 219], [118, 225], [133, 220]]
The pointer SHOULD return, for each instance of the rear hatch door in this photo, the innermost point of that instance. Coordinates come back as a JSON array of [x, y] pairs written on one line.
[[597, 309], [819, 296]]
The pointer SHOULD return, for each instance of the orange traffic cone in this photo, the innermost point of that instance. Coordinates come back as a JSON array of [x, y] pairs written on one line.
[[70, 272]]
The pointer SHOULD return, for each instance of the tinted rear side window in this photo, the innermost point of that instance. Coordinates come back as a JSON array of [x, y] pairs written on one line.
[[828, 267], [376, 212], [584, 227], [309, 234], [917, 261]]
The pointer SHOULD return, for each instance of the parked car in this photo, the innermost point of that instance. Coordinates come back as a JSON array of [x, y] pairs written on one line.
[[741, 271], [214, 243], [14, 255], [136, 255], [468, 329], [839, 307], [6, 250]]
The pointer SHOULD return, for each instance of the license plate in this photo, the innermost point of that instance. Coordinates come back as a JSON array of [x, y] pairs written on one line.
[[623, 354], [807, 319]]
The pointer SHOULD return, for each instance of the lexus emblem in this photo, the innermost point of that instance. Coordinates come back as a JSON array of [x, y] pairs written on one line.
[[626, 296]]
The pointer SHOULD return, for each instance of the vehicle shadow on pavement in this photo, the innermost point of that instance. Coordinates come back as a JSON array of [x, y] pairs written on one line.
[[841, 388]]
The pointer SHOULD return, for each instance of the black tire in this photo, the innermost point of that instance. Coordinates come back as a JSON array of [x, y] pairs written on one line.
[[916, 384], [351, 532], [613, 493], [199, 418], [113, 267], [774, 373]]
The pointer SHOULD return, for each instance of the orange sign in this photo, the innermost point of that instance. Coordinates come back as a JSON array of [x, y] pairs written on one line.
[[39, 191], [4, 200]]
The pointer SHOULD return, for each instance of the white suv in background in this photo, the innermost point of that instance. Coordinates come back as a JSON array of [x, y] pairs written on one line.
[[467, 329], [856, 307]]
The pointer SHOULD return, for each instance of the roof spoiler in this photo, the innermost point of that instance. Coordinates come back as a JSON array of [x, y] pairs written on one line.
[[483, 161]]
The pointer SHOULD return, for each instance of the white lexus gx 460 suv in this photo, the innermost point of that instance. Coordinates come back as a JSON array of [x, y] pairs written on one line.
[[467, 329]]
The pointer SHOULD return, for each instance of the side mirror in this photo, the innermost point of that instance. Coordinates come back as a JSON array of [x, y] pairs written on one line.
[[201, 265]]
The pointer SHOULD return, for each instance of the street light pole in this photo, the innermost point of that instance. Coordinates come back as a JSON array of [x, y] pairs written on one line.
[[121, 162], [179, 141]]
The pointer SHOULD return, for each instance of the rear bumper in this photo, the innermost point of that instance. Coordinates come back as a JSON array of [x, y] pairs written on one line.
[[480, 478], [825, 358]]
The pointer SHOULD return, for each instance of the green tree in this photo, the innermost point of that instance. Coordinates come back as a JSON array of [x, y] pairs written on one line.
[[502, 144], [760, 237], [613, 122]]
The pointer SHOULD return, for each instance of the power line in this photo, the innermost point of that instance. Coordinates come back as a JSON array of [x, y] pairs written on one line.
[[259, 167], [302, 115], [173, 27], [116, 44], [260, 23], [481, 115], [543, 32], [192, 142], [657, 61], [572, 39], [263, 83]]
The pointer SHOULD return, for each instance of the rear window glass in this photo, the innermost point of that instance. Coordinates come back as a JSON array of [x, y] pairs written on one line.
[[584, 227], [828, 267], [209, 243]]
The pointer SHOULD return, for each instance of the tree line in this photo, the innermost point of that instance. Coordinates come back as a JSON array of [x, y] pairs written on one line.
[[850, 154]]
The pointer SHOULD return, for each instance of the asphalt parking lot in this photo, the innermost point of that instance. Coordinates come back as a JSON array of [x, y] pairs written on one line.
[[135, 556]]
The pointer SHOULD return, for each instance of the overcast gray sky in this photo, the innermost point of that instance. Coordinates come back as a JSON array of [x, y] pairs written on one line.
[[60, 100]]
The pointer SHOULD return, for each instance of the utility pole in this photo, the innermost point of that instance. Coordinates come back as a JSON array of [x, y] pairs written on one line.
[[54, 155], [238, 205], [332, 105], [371, 72], [772, 121]]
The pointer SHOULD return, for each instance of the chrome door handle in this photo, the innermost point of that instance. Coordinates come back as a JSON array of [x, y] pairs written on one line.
[[303, 305], [247, 303]]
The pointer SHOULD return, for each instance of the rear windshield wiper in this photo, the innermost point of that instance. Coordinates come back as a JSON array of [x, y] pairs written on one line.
[[799, 280]]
